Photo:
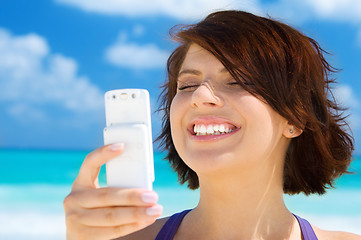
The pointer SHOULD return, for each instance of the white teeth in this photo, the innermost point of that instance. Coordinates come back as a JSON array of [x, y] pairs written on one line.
[[210, 129], [216, 129], [221, 128], [202, 130]]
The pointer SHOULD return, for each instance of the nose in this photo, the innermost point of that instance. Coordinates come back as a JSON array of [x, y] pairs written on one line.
[[205, 96]]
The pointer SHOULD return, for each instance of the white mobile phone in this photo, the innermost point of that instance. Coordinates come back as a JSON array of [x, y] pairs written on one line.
[[127, 113]]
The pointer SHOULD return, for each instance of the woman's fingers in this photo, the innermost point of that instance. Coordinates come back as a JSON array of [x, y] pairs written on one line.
[[106, 213], [105, 233], [118, 216], [109, 197], [89, 170]]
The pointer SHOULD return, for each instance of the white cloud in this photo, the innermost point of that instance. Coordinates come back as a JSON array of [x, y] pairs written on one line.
[[23, 112], [186, 9], [345, 10], [31, 74], [294, 11], [299, 11], [133, 55], [20, 55], [346, 97]]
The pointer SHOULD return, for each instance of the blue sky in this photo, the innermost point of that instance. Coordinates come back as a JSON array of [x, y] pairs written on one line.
[[58, 57]]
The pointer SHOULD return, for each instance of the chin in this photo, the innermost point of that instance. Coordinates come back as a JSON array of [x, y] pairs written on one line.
[[209, 161]]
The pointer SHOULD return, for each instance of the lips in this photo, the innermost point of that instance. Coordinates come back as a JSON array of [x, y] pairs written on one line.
[[212, 126]]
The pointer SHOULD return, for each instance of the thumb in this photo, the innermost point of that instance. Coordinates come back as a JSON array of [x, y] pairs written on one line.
[[89, 170]]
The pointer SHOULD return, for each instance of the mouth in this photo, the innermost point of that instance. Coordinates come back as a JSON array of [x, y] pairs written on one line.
[[212, 126]]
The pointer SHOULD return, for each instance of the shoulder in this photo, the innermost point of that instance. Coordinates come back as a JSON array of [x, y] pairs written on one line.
[[334, 235], [149, 232]]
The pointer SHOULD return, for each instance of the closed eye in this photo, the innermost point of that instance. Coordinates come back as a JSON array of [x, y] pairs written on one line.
[[234, 83], [189, 87]]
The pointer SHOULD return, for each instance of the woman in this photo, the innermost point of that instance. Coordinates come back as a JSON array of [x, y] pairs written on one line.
[[246, 119]]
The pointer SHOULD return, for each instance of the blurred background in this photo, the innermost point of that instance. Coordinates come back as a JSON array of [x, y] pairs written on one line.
[[58, 57]]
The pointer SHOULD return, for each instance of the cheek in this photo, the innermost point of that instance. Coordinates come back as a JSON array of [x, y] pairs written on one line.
[[174, 109], [176, 113], [264, 124]]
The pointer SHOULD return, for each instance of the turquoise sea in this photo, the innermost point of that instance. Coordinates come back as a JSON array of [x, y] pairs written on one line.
[[33, 184]]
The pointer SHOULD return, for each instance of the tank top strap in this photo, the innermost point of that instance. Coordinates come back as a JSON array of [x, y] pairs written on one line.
[[171, 226], [306, 229]]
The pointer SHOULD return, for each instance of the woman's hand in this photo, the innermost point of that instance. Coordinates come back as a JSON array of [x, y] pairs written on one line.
[[106, 213]]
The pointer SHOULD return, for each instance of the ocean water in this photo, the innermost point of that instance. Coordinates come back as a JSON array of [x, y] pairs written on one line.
[[33, 184]]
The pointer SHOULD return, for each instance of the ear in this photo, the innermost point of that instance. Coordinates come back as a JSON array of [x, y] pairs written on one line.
[[291, 131]]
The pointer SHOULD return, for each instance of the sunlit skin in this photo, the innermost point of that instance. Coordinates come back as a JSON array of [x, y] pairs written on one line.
[[209, 94], [240, 173]]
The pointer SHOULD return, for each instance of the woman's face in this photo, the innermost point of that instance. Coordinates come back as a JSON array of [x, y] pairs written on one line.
[[217, 124]]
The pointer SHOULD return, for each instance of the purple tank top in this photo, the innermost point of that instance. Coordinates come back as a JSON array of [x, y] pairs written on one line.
[[171, 226]]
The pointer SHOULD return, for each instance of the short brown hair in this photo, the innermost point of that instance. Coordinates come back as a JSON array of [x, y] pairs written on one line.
[[287, 70]]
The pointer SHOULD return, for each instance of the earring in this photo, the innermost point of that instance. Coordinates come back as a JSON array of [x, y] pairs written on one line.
[[291, 131]]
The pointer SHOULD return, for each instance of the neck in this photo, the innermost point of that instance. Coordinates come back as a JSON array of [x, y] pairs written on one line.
[[246, 205]]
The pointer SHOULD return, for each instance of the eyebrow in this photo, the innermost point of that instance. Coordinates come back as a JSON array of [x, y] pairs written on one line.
[[189, 71], [196, 72]]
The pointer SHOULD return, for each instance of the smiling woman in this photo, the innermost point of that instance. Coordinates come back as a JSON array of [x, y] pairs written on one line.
[[246, 119], [282, 68], [251, 129]]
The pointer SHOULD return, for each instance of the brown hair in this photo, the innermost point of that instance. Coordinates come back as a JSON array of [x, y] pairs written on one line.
[[284, 68]]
